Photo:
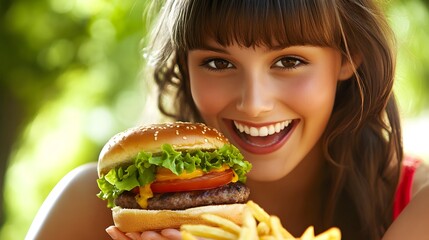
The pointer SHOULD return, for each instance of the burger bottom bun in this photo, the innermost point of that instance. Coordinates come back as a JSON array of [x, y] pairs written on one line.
[[138, 220]]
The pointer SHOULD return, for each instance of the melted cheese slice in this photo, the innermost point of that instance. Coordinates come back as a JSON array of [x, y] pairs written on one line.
[[234, 177], [164, 174], [144, 194]]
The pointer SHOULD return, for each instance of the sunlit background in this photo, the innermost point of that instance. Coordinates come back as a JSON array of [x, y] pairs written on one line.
[[70, 78]]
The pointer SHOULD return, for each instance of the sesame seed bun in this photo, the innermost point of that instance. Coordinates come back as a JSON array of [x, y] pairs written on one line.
[[123, 147]]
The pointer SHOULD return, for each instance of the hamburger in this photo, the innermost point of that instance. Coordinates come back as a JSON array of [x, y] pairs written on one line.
[[165, 175]]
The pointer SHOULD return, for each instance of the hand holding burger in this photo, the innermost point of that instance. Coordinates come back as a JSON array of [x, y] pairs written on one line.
[[166, 175]]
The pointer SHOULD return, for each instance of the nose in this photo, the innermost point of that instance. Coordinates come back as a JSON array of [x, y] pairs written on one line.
[[256, 95]]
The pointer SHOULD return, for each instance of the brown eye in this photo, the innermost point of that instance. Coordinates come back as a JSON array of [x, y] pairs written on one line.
[[289, 63], [218, 64]]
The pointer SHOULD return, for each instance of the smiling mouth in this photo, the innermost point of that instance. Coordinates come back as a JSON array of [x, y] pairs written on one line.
[[263, 139]]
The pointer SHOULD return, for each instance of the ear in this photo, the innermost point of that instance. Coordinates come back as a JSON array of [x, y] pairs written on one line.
[[349, 67]]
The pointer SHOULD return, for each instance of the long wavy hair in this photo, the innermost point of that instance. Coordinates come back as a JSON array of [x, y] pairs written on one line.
[[362, 142]]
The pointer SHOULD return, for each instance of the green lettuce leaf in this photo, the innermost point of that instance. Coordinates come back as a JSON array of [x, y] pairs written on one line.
[[143, 170]]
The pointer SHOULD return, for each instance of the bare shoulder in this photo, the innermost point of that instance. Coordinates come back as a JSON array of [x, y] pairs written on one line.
[[72, 209], [421, 178]]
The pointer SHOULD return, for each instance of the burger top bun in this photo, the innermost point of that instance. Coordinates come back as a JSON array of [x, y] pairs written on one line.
[[124, 146]]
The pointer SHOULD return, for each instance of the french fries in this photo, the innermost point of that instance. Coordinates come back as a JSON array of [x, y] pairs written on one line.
[[224, 223], [257, 224], [204, 231]]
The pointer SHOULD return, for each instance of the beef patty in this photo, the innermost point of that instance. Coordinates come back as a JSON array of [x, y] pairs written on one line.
[[227, 194]]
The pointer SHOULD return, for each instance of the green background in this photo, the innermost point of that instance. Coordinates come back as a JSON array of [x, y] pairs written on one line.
[[70, 77]]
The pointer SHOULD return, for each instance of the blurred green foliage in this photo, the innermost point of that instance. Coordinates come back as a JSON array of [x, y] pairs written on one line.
[[410, 21], [73, 67]]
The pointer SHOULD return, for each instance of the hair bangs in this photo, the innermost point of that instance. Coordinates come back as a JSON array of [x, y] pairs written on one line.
[[270, 23]]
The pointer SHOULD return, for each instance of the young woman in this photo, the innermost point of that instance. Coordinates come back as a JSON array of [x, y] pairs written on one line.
[[304, 89]]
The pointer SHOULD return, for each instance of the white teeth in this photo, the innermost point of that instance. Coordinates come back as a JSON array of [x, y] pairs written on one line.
[[262, 131]]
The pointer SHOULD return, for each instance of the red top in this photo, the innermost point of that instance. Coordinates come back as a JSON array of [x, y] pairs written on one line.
[[403, 192]]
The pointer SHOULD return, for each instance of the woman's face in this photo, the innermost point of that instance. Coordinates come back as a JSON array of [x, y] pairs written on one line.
[[273, 104]]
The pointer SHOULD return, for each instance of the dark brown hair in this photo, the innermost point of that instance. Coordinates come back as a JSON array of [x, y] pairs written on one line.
[[362, 141]]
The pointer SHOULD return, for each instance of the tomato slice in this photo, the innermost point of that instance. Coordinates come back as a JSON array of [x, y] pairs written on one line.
[[207, 181]]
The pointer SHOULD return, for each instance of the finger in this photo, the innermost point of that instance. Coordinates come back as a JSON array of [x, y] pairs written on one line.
[[134, 235], [115, 234], [172, 234], [151, 235]]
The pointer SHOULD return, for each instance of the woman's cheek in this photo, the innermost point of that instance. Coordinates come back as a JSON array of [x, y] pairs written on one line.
[[312, 93], [210, 95]]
